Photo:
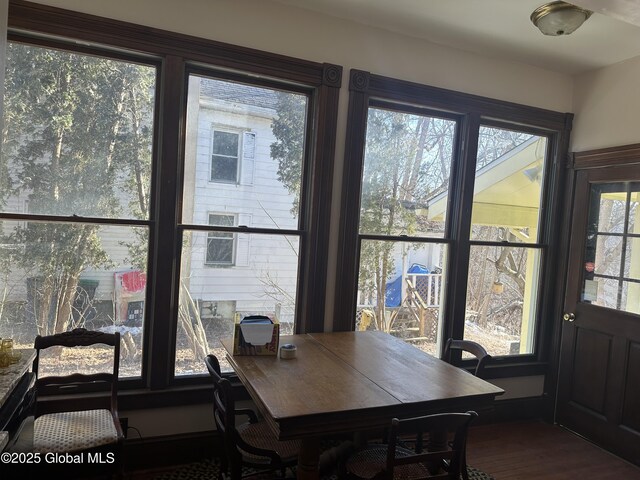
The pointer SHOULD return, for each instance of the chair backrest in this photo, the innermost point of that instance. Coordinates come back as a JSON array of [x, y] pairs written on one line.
[[223, 400], [224, 406], [79, 337], [471, 347], [224, 413], [428, 464]]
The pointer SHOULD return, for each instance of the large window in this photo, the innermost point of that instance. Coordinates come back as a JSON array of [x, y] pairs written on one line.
[[76, 190], [445, 206], [259, 244], [403, 259], [504, 279], [165, 217]]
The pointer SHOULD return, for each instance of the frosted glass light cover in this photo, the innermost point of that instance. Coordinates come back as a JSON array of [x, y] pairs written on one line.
[[559, 18]]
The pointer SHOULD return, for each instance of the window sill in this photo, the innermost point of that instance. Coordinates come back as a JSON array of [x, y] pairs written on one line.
[[199, 390], [142, 398], [512, 369]]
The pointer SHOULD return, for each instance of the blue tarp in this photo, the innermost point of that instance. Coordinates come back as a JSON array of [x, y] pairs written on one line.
[[393, 295]]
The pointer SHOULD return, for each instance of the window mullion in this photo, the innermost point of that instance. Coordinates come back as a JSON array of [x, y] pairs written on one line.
[[460, 207], [161, 340]]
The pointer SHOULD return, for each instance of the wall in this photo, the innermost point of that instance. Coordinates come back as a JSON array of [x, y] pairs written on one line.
[[291, 31], [174, 421], [606, 106]]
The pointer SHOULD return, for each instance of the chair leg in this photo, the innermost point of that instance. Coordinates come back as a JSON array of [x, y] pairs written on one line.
[[463, 464]]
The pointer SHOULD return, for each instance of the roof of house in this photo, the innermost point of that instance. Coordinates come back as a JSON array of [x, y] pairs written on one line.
[[239, 93]]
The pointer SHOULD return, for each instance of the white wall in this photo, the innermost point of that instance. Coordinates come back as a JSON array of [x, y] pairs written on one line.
[[607, 106], [277, 28]]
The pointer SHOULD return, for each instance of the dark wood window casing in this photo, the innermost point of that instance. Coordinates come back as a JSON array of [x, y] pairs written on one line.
[[470, 111]]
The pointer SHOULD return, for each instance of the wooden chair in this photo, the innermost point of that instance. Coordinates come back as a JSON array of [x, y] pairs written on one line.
[[251, 444], [98, 431], [473, 348], [396, 460]]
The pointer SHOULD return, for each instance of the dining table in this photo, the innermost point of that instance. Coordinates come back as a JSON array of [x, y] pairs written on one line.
[[348, 382]]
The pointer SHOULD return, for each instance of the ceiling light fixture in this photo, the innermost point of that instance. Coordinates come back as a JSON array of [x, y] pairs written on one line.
[[559, 18]]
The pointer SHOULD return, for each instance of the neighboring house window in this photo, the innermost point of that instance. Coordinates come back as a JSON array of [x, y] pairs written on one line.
[[225, 147], [220, 245]]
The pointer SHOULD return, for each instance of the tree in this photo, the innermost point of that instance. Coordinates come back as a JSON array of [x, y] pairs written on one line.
[[76, 142], [407, 161], [288, 150]]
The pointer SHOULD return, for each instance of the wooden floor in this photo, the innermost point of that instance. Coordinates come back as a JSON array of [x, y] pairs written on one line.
[[526, 451], [538, 450]]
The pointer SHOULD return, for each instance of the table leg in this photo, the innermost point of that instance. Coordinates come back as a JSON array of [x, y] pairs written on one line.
[[308, 458]]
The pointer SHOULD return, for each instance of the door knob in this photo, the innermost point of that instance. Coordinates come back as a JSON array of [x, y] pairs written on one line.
[[568, 317]]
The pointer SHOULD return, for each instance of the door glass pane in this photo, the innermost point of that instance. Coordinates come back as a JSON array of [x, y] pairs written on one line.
[[612, 217], [611, 273], [502, 298], [605, 292], [508, 186], [244, 153], [55, 277], [609, 256], [262, 281], [631, 269], [407, 166], [400, 290], [634, 213], [78, 136]]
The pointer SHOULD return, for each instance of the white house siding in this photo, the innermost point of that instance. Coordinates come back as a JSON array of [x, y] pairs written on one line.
[[246, 196], [113, 239], [257, 200]]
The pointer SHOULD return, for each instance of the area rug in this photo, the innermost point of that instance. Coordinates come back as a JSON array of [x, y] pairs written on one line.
[[210, 469]]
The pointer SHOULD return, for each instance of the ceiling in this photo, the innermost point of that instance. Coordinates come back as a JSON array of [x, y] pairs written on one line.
[[501, 28]]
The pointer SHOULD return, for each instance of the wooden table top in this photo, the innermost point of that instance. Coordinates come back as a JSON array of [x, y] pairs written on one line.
[[345, 381]]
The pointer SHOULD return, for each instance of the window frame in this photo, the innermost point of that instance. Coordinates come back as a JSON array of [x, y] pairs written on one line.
[[177, 54], [369, 90], [63, 44]]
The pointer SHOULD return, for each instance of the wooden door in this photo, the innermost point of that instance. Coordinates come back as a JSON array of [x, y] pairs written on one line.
[[599, 376]]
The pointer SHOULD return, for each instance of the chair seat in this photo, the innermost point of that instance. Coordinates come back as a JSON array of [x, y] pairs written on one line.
[[260, 435], [370, 461], [73, 431]]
